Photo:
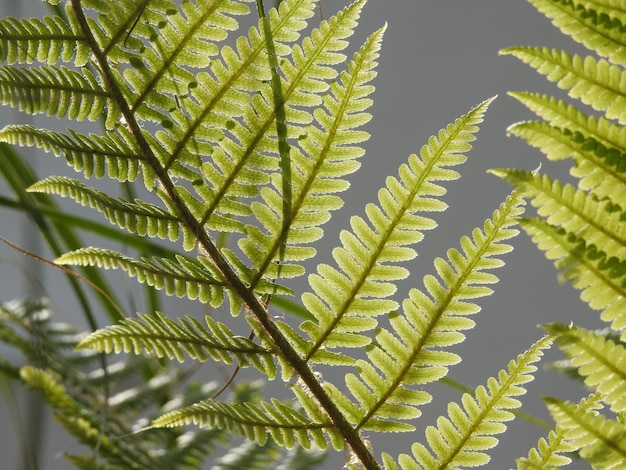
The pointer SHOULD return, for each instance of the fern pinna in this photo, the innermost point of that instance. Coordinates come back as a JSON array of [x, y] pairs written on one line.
[[255, 137], [582, 226]]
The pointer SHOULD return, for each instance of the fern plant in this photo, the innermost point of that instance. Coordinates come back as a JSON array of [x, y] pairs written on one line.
[[255, 138], [582, 226]]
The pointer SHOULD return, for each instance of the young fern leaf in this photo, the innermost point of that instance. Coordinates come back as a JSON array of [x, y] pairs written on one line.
[[158, 335], [548, 454], [597, 83], [599, 360], [346, 302], [285, 425], [598, 440], [139, 217], [411, 353], [600, 277], [460, 439]]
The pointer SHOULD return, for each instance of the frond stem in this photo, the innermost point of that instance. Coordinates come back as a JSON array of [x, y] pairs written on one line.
[[248, 296]]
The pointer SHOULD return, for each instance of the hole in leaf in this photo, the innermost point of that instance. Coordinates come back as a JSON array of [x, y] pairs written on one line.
[[171, 11], [302, 136], [230, 125], [192, 85], [167, 124], [197, 182]]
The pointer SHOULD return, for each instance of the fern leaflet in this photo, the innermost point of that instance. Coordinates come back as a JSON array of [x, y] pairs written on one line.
[[257, 422], [138, 217], [345, 303], [599, 440], [156, 334], [597, 83], [599, 360], [548, 454], [410, 353], [460, 439], [601, 278]]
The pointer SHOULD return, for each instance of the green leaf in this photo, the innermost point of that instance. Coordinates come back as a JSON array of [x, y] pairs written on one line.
[[597, 83], [599, 26], [410, 353], [599, 221], [182, 277], [600, 277], [598, 440], [461, 438], [156, 334], [136, 217], [90, 154], [55, 91], [599, 360], [345, 302], [285, 425], [548, 454], [50, 40]]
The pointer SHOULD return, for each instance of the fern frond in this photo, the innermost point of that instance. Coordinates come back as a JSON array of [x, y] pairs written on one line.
[[601, 169], [411, 353], [598, 27], [596, 83], [548, 454], [599, 222], [91, 154], [156, 334], [563, 115], [345, 302], [285, 425], [460, 439], [55, 91], [600, 441], [182, 277], [600, 277], [137, 217], [210, 122], [25, 41], [326, 153], [599, 360]]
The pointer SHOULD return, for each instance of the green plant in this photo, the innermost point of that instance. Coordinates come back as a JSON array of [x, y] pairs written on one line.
[[582, 226], [254, 141]]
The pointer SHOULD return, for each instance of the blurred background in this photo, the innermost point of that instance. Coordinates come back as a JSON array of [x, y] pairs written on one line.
[[439, 59]]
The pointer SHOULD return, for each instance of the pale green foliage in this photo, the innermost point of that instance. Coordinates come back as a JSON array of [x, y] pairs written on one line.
[[547, 455], [599, 440], [158, 335], [251, 139], [582, 227], [460, 439]]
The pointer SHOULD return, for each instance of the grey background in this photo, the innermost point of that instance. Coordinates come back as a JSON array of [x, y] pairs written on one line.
[[439, 59]]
